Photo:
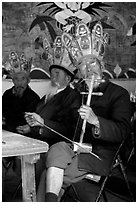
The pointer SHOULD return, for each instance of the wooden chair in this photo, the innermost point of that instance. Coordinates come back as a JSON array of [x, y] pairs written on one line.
[[102, 181]]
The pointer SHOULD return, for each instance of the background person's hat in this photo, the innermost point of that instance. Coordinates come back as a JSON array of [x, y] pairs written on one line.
[[17, 64], [68, 71]]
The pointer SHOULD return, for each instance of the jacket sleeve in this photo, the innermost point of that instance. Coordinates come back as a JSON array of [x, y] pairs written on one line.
[[64, 122], [118, 126], [49, 131], [66, 119]]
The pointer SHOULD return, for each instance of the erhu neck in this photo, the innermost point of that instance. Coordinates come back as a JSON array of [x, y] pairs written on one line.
[[90, 93], [88, 104]]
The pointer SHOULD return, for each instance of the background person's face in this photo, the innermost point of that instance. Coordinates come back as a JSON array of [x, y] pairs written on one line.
[[59, 78], [20, 81]]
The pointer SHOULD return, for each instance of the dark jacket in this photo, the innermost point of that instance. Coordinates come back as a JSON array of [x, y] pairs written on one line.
[[13, 107], [60, 113], [114, 113]]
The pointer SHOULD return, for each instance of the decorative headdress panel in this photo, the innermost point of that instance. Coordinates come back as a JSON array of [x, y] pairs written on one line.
[[58, 55], [69, 50], [86, 43], [18, 64]]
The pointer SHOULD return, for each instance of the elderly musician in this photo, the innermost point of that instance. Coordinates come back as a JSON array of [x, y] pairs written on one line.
[[105, 120], [57, 110]]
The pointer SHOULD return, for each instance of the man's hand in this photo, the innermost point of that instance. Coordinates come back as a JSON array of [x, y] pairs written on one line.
[[23, 129], [87, 113], [33, 119]]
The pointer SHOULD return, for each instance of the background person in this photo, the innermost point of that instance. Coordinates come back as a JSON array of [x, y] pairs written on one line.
[[18, 99], [15, 102]]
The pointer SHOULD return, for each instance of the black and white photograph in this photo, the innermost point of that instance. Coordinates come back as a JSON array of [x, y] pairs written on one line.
[[68, 101]]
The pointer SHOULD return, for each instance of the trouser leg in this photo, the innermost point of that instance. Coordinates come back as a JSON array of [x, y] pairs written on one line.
[[60, 159], [62, 156], [42, 188]]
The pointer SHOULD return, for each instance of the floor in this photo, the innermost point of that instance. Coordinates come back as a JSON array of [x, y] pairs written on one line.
[[116, 184]]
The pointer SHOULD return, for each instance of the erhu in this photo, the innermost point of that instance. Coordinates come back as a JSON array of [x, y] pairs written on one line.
[[84, 147], [78, 147]]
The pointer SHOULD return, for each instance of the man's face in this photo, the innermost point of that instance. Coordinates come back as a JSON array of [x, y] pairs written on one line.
[[59, 78], [20, 81], [89, 67]]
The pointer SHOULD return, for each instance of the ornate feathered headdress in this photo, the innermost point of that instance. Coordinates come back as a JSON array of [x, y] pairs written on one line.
[[68, 50], [86, 43]]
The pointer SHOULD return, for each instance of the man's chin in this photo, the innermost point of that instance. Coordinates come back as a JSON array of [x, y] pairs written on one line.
[[54, 84], [20, 92]]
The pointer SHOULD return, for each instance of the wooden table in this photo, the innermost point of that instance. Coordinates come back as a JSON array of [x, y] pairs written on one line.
[[29, 151]]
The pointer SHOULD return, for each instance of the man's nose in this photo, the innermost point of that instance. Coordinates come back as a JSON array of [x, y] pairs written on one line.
[[90, 71], [20, 82]]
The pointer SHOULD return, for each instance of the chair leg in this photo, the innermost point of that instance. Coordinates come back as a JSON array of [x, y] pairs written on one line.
[[131, 154], [126, 179], [101, 190], [65, 195]]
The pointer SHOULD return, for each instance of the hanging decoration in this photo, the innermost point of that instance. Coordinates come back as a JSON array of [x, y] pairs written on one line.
[[69, 14]]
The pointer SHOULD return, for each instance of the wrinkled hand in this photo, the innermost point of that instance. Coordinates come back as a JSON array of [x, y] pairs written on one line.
[[87, 113], [23, 129], [33, 119]]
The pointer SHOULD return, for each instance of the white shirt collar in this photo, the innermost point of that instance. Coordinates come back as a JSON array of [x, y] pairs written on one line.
[[59, 90]]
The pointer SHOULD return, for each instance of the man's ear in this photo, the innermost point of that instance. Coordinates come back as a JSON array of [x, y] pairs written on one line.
[[68, 78]]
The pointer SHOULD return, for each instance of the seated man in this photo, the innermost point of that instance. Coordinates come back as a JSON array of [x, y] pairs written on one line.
[[108, 123], [18, 99], [58, 109], [57, 112]]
